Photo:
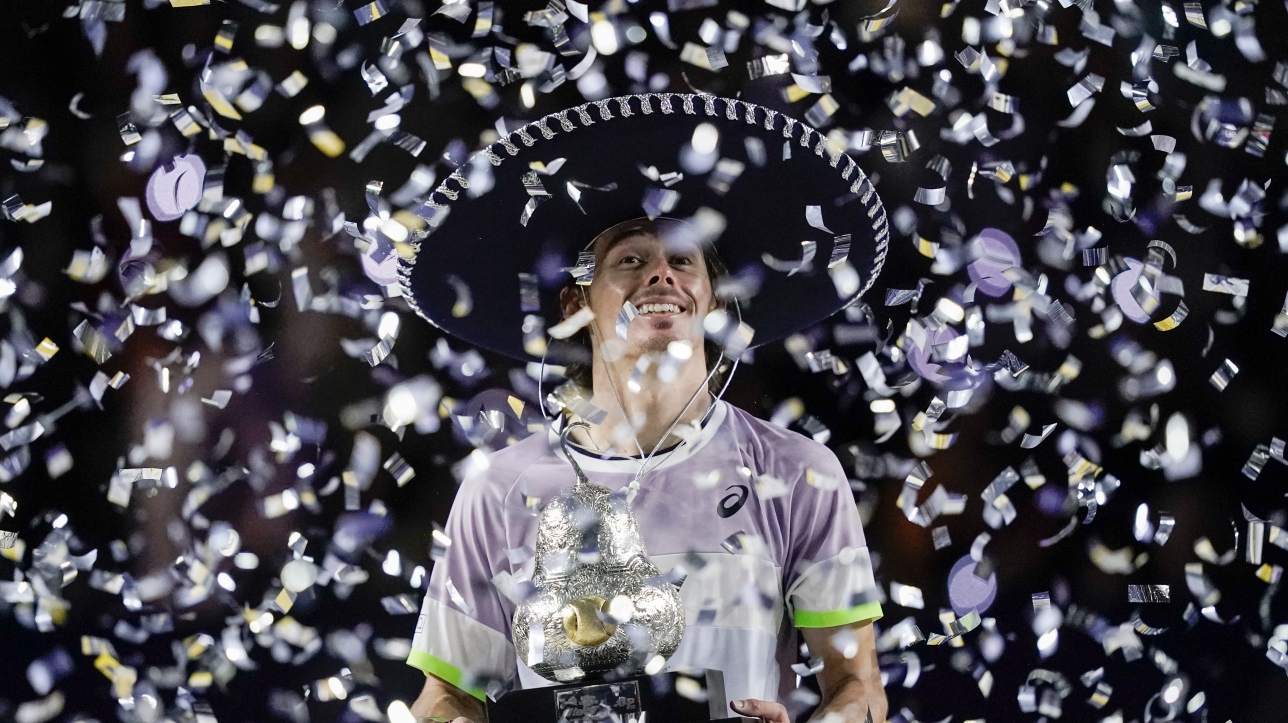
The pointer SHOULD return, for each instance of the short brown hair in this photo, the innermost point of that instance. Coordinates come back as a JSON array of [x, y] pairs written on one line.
[[716, 271]]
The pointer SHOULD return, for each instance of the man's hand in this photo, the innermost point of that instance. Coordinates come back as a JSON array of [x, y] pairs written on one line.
[[767, 711]]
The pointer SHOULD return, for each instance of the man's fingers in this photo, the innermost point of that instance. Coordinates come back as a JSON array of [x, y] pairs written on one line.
[[768, 711]]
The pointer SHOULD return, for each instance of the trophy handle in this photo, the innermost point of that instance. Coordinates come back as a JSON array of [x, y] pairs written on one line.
[[565, 444]]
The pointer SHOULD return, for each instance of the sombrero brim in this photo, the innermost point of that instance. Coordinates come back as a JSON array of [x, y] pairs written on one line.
[[480, 240]]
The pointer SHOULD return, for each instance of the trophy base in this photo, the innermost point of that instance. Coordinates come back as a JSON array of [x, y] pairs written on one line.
[[642, 699]]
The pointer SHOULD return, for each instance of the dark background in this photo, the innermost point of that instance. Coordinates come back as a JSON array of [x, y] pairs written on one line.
[[45, 60]]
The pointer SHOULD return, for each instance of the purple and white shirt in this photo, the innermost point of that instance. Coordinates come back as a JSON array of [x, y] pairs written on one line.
[[761, 519]]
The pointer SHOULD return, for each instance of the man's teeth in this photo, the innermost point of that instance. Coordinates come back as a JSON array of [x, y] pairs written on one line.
[[659, 309]]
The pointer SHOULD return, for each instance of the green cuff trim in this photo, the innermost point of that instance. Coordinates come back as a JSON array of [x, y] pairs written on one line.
[[440, 668], [832, 618]]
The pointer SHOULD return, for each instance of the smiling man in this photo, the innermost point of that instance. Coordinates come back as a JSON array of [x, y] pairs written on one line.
[[757, 522]]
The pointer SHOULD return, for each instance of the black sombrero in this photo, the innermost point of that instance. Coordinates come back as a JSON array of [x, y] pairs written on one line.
[[507, 249]]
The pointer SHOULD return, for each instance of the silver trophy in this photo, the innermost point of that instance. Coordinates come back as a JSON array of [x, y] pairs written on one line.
[[600, 614], [600, 605]]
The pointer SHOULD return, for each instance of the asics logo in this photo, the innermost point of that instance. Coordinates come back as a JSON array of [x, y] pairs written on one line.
[[732, 502]]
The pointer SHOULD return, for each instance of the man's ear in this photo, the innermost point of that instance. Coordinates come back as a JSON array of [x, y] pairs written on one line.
[[570, 301]]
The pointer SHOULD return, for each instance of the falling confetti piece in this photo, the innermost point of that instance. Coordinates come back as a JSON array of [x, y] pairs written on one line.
[[1008, 283], [1148, 594]]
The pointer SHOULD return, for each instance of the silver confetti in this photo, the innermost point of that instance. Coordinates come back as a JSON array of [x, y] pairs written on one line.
[[625, 316], [1222, 376], [1148, 594], [1225, 285]]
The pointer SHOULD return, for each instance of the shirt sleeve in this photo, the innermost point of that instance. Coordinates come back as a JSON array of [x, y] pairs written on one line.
[[463, 632], [828, 572]]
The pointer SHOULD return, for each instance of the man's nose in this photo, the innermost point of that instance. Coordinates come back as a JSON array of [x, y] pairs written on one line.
[[661, 272]]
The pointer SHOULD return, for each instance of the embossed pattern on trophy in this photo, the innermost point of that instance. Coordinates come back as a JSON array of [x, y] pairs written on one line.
[[589, 546]]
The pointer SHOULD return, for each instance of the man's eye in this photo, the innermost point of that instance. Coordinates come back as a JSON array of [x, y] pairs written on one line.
[[681, 261], [629, 259]]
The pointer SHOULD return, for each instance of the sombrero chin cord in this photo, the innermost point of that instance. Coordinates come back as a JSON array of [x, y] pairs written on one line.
[[621, 407]]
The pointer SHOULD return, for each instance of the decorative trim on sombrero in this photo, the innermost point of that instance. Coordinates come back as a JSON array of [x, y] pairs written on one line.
[[791, 127]]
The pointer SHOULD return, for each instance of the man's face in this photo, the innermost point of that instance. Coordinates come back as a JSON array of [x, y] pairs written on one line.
[[666, 280]]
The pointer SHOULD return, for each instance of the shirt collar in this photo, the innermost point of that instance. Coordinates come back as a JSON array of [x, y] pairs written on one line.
[[630, 465]]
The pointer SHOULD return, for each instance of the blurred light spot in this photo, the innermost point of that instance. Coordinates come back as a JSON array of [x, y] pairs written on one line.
[[389, 324], [297, 23], [604, 36], [1164, 375], [312, 115], [401, 408], [705, 137], [950, 310], [392, 564], [337, 688], [1172, 692], [324, 33], [1177, 434], [398, 712], [654, 665]]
